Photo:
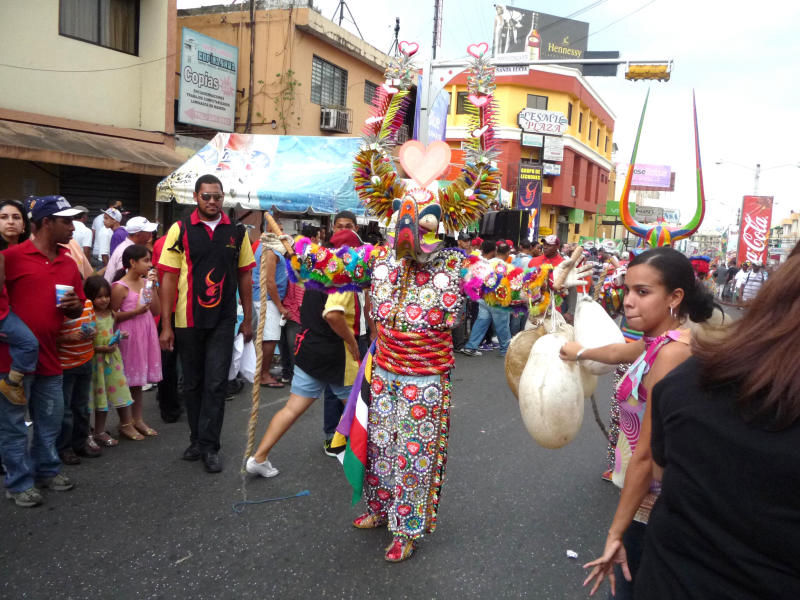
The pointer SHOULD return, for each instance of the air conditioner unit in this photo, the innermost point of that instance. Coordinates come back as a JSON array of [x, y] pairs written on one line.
[[334, 119]]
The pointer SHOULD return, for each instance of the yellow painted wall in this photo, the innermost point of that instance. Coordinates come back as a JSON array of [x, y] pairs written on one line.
[[132, 97], [279, 47], [511, 98]]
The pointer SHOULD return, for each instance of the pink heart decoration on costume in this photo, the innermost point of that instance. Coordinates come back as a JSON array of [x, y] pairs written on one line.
[[389, 89], [478, 100], [476, 134], [477, 50], [410, 48], [423, 164], [372, 120]]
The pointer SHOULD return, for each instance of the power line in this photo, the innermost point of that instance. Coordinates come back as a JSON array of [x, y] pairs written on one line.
[[141, 64]]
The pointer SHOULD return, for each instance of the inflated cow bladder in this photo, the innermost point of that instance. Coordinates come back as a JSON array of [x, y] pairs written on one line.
[[594, 328], [551, 394]]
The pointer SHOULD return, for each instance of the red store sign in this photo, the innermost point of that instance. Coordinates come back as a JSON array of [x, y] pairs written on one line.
[[754, 229]]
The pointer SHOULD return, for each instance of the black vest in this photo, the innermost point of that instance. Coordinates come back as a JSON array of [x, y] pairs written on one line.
[[213, 272]]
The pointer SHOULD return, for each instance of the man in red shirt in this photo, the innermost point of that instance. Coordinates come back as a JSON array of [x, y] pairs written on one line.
[[550, 255], [33, 269]]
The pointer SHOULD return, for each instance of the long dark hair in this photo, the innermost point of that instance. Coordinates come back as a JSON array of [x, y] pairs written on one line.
[[132, 252], [758, 353], [26, 224], [677, 273], [95, 285]]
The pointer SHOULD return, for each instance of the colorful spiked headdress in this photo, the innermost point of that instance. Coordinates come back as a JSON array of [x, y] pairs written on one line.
[[662, 234], [420, 206]]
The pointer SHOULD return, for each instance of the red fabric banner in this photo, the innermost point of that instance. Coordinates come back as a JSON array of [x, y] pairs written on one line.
[[754, 229]]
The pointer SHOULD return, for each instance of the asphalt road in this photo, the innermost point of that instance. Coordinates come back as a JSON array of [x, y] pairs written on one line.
[[142, 523]]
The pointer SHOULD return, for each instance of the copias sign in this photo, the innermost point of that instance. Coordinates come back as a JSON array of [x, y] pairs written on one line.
[[754, 229]]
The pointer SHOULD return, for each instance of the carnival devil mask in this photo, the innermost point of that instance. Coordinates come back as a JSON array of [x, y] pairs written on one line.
[[662, 234], [420, 206]]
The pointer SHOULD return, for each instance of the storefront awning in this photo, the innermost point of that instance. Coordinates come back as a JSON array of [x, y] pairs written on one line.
[[25, 141], [295, 174]]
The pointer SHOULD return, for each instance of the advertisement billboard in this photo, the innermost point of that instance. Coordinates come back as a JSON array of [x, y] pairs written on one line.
[[207, 95], [529, 195], [754, 229], [553, 148], [651, 177], [536, 36]]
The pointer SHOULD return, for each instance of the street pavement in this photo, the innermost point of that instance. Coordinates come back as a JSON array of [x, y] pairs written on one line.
[[142, 523]]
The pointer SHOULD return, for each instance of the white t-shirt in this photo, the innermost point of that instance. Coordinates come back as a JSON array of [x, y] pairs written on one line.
[[102, 242], [82, 234], [213, 224], [741, 276]]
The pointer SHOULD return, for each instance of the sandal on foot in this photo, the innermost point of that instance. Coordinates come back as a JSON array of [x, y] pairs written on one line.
[[145, 429], [400, 549], [127, 430], [105, 439], [370, 521]]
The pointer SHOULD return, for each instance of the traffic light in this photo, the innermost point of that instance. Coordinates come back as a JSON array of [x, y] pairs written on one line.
[[659, 71]]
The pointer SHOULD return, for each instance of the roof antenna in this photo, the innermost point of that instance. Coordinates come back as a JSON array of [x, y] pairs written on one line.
[[394, 49], [340, 8]]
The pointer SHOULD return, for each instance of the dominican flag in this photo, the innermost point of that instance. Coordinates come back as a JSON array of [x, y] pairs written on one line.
[[352, 429]]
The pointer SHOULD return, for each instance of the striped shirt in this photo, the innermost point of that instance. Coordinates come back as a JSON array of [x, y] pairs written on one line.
[[75, 354]]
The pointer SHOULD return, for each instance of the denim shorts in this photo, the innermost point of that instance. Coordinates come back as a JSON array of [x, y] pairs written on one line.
[[306, 386]]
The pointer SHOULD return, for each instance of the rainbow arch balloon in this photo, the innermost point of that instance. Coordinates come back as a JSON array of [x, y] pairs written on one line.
[[662, 234]]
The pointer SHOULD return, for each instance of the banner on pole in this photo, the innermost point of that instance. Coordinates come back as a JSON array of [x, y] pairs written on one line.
[[754, 229]]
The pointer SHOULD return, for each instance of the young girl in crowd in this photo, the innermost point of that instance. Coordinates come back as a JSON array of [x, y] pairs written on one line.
[[660, 292], [134, 298], [109, 387]]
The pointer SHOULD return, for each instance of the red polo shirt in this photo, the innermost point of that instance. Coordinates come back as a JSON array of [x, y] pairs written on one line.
[[31, 280], [538, 261]]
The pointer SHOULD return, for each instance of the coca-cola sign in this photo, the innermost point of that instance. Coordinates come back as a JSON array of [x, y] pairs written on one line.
[[754, 229]]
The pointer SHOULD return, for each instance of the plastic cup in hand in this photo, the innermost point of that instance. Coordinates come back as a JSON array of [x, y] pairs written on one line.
[[61, 290]]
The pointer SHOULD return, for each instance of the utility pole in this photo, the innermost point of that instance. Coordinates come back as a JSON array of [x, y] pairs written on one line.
[[437, 25], [755, 180]]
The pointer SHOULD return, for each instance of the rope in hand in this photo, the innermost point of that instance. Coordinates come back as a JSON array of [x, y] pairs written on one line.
[[256, 395]]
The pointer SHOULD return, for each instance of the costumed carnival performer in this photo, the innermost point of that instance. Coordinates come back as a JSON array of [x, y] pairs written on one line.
[[398, 416]]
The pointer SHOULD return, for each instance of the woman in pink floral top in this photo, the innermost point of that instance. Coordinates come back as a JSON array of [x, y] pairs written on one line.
[[660, 292]]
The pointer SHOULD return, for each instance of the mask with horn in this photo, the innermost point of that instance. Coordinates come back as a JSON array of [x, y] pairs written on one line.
[[662, 234], [418, 207]]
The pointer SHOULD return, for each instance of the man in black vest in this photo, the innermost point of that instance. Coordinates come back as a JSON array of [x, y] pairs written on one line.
[[205, 259]]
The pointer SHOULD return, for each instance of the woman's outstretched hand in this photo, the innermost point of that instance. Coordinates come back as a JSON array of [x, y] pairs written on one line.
[[613, 554]]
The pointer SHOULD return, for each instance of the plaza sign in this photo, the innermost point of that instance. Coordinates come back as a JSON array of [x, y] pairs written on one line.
[[533, 120]]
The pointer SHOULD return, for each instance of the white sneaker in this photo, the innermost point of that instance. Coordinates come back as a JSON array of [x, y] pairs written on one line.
[[264, 469]]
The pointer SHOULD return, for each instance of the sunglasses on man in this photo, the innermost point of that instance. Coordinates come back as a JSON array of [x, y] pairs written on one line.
[[207, 196]]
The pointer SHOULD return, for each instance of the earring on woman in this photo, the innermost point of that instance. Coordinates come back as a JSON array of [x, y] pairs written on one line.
[[672, 312]]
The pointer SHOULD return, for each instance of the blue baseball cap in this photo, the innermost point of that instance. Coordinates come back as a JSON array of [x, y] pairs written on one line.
[[40, 207]]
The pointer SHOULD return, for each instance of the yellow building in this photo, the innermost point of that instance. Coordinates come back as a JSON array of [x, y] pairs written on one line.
[[87, 103], [310, 76], [571, 198]]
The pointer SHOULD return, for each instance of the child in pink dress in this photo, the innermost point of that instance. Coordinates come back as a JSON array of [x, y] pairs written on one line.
[[136, 302]]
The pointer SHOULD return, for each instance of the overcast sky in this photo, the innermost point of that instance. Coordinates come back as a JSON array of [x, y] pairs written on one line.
[[740, 57]]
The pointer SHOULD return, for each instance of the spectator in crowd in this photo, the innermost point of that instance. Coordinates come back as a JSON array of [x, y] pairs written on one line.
[[32, 268], [119, 235], [221, 263], [135, 300], [730, 283], [101, 250], [550, 255], [720, 279], [497, 316], [82, 234], [277, 281], [726, 445], [292, 301], [109, 386], [741, 275], [75, 352], [14, 225], [464, 242], [327, 355], [99, 221], [139, 231], [752, 282]]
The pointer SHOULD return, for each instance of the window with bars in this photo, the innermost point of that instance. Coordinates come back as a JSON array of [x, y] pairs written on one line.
[[370, 89], [112, 24], [538, 102], [328, 83], [461, 100]]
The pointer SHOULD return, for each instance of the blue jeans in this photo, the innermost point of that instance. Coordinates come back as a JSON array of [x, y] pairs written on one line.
[[26, 464], [23, 347], [494, 315], [77, 386], [518, 322]]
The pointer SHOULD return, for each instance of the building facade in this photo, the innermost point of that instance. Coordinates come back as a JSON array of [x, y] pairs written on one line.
[[310, 76], [571, 198], [86, 108]]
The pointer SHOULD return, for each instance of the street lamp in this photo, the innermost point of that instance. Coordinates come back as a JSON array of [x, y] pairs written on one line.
[[756, 171]]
